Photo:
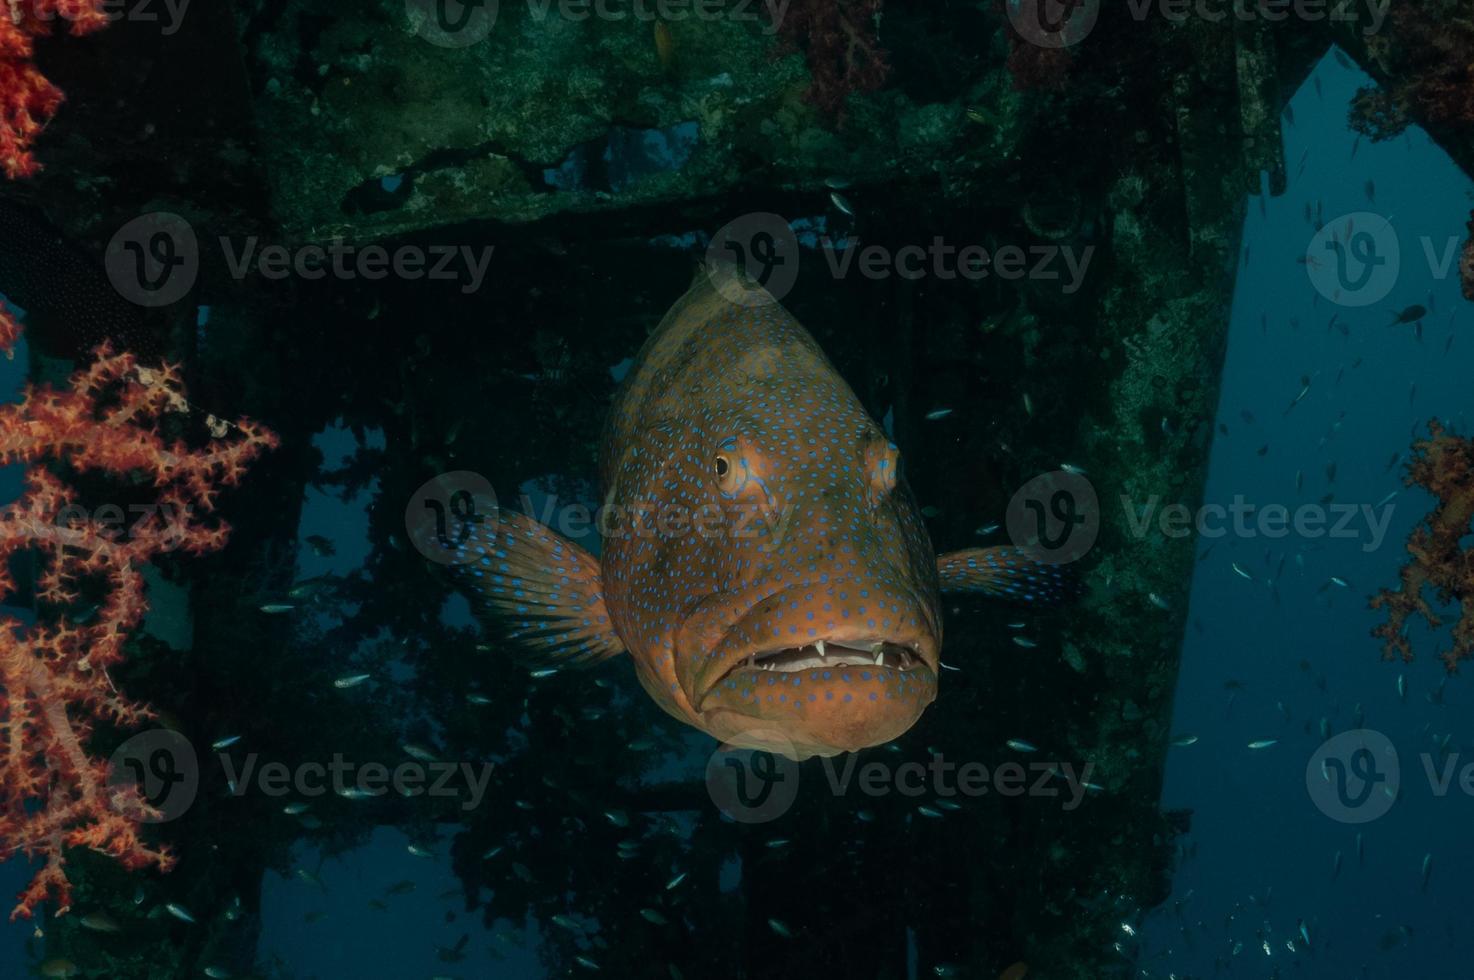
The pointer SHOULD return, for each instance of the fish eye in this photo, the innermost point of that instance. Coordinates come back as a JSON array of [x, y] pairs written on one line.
[[724, 470]]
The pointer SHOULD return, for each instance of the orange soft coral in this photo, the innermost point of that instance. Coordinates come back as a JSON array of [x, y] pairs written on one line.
[[54, 681], [1443, 464]]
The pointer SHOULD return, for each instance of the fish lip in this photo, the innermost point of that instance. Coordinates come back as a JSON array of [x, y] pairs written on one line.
[[843, 647]]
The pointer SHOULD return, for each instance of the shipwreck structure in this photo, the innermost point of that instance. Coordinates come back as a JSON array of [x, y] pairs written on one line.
[[595, 156]]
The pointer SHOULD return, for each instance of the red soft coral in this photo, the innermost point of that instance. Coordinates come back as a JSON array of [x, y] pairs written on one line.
[[839, 39], [1443, 464], [1427, 50], [27, 99]]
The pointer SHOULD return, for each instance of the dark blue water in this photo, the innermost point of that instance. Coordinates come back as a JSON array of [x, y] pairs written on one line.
[[1263, 851]]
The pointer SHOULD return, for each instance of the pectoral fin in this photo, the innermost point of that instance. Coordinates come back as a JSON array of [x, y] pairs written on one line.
[[1005, 572], [540, 590]]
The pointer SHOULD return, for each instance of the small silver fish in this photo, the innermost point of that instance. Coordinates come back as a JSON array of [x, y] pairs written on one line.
[[275, 608], [179, 912], [1024, 642], [1019, 745], [1263, 743], [1158, 601], [1240, 572], [1182, 741], [350, 680], [100, 922], [224, 743], [938, 413], [842, 203]]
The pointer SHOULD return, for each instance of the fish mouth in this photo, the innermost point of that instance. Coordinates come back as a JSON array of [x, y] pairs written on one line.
[[820, 698], [864, 652], [891, 633], [832, 653]]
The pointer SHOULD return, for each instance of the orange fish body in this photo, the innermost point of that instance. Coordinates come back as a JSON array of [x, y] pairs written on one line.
[[763, 562]]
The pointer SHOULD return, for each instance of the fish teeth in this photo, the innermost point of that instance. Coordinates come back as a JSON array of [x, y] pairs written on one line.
[[879, 658], [819, 645]]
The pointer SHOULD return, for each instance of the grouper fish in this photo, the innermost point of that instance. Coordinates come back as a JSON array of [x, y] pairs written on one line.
[[763, 563]]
